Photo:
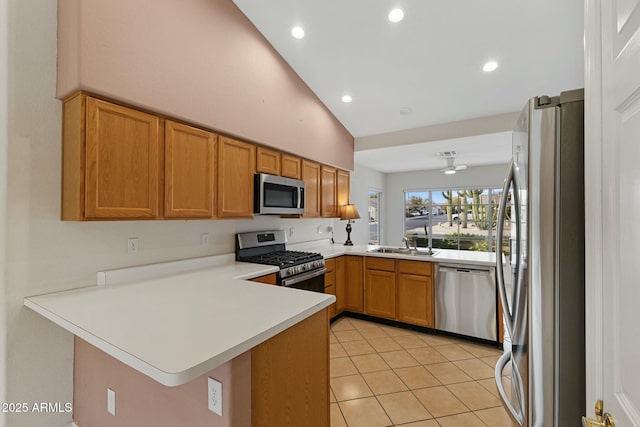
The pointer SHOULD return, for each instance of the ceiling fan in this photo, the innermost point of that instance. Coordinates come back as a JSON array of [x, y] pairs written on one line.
[[451, 168]]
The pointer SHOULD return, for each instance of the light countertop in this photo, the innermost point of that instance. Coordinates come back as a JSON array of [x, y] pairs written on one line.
[[177, 327], [331, 250]]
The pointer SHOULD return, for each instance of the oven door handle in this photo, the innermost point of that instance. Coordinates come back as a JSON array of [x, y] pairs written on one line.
[[302, 277]]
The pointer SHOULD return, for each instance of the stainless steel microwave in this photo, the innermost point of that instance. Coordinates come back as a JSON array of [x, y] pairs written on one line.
[[277, 195]]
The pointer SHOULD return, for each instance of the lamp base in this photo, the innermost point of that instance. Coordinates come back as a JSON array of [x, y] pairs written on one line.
[[348, 242]]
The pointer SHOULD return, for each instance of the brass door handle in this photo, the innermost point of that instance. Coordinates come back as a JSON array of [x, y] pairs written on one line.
[[602, 419], [606, 422]]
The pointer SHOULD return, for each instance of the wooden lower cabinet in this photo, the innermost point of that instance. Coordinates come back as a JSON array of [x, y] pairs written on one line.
[[353, 285], [290, 376], [415, 300], [380, 287], [340, 284], [330, 283], [269, 279], [415, 293], [380, 293]]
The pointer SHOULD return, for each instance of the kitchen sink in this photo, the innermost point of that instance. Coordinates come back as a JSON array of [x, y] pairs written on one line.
[[403, 251], [390, 251]]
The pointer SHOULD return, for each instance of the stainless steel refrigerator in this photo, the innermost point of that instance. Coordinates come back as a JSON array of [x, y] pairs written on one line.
[[541, 378]]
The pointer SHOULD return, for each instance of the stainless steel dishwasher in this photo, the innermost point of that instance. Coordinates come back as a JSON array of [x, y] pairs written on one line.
[[465, 300]]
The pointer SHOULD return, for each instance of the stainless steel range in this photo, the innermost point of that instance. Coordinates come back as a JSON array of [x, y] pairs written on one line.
[[299, 270]]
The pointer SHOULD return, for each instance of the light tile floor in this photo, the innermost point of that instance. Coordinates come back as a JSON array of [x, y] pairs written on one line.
[[386, 376]]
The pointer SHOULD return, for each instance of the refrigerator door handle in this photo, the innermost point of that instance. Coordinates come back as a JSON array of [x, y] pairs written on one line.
[[515, 415], [509, 309]]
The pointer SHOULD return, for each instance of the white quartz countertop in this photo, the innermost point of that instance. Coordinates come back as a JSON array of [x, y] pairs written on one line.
[[177, 327], [443, 256]]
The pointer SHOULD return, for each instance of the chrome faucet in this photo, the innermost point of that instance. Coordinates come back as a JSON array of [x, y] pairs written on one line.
[[405, 241]]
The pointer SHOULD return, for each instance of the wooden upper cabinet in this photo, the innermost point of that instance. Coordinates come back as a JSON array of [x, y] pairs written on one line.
[[189, 174], [122, 162], [268, 161], [328, 186], [236, 167], [342, 189], [311, 178], [291, 166]]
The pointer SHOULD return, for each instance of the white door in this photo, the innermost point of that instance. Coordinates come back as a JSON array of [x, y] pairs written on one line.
[[613, 207]]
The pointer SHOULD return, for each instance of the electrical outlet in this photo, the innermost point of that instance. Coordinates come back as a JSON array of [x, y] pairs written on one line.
[[132, 245], [290, 231], [215, 395], [111, 401], [319, 230], [204, 239]]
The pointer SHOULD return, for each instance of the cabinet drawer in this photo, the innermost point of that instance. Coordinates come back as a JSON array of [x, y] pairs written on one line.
[[415, 267], [330, 264], [329, 279], [381, 264]]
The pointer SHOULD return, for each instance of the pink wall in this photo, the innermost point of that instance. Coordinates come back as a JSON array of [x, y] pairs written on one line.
[[201, 61], [140, 401]]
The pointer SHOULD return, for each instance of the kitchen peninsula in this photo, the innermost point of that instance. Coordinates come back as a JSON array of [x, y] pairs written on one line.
[[154, 340]]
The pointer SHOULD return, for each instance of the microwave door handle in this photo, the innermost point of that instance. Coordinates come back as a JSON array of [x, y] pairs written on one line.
[[300, 203]]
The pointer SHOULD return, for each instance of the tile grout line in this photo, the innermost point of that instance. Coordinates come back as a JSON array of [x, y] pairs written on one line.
[[393, 370]]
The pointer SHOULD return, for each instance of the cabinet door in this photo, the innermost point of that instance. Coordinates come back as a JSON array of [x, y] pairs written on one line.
[[269, 279], [353, 295], [189, 175], [380, 293], [236, 166], [342, 189], [415, 299], [328, 198], [291, 166], [122, 162], [267, 161], [311, 178], [340, 284]]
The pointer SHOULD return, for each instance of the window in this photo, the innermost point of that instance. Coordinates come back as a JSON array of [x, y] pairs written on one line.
[[463, 219], [374, 217]]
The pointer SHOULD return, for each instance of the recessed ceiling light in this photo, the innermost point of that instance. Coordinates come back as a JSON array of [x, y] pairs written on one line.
[[396, 15], [346, 99], [450, 171], [297, 32], [490, 66]]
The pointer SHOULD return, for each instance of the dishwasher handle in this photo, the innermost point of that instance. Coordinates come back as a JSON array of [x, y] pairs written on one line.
[[465, 270]]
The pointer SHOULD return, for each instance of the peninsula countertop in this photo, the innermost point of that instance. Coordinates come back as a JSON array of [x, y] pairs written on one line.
[[176, 327]]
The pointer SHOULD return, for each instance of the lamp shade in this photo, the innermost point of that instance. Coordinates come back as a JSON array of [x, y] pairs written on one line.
[[349, 212]]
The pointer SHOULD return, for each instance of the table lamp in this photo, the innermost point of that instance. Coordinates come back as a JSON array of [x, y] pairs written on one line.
[[349, 212]]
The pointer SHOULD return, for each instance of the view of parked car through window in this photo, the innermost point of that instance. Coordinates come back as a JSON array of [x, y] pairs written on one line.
[[463, 219]]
